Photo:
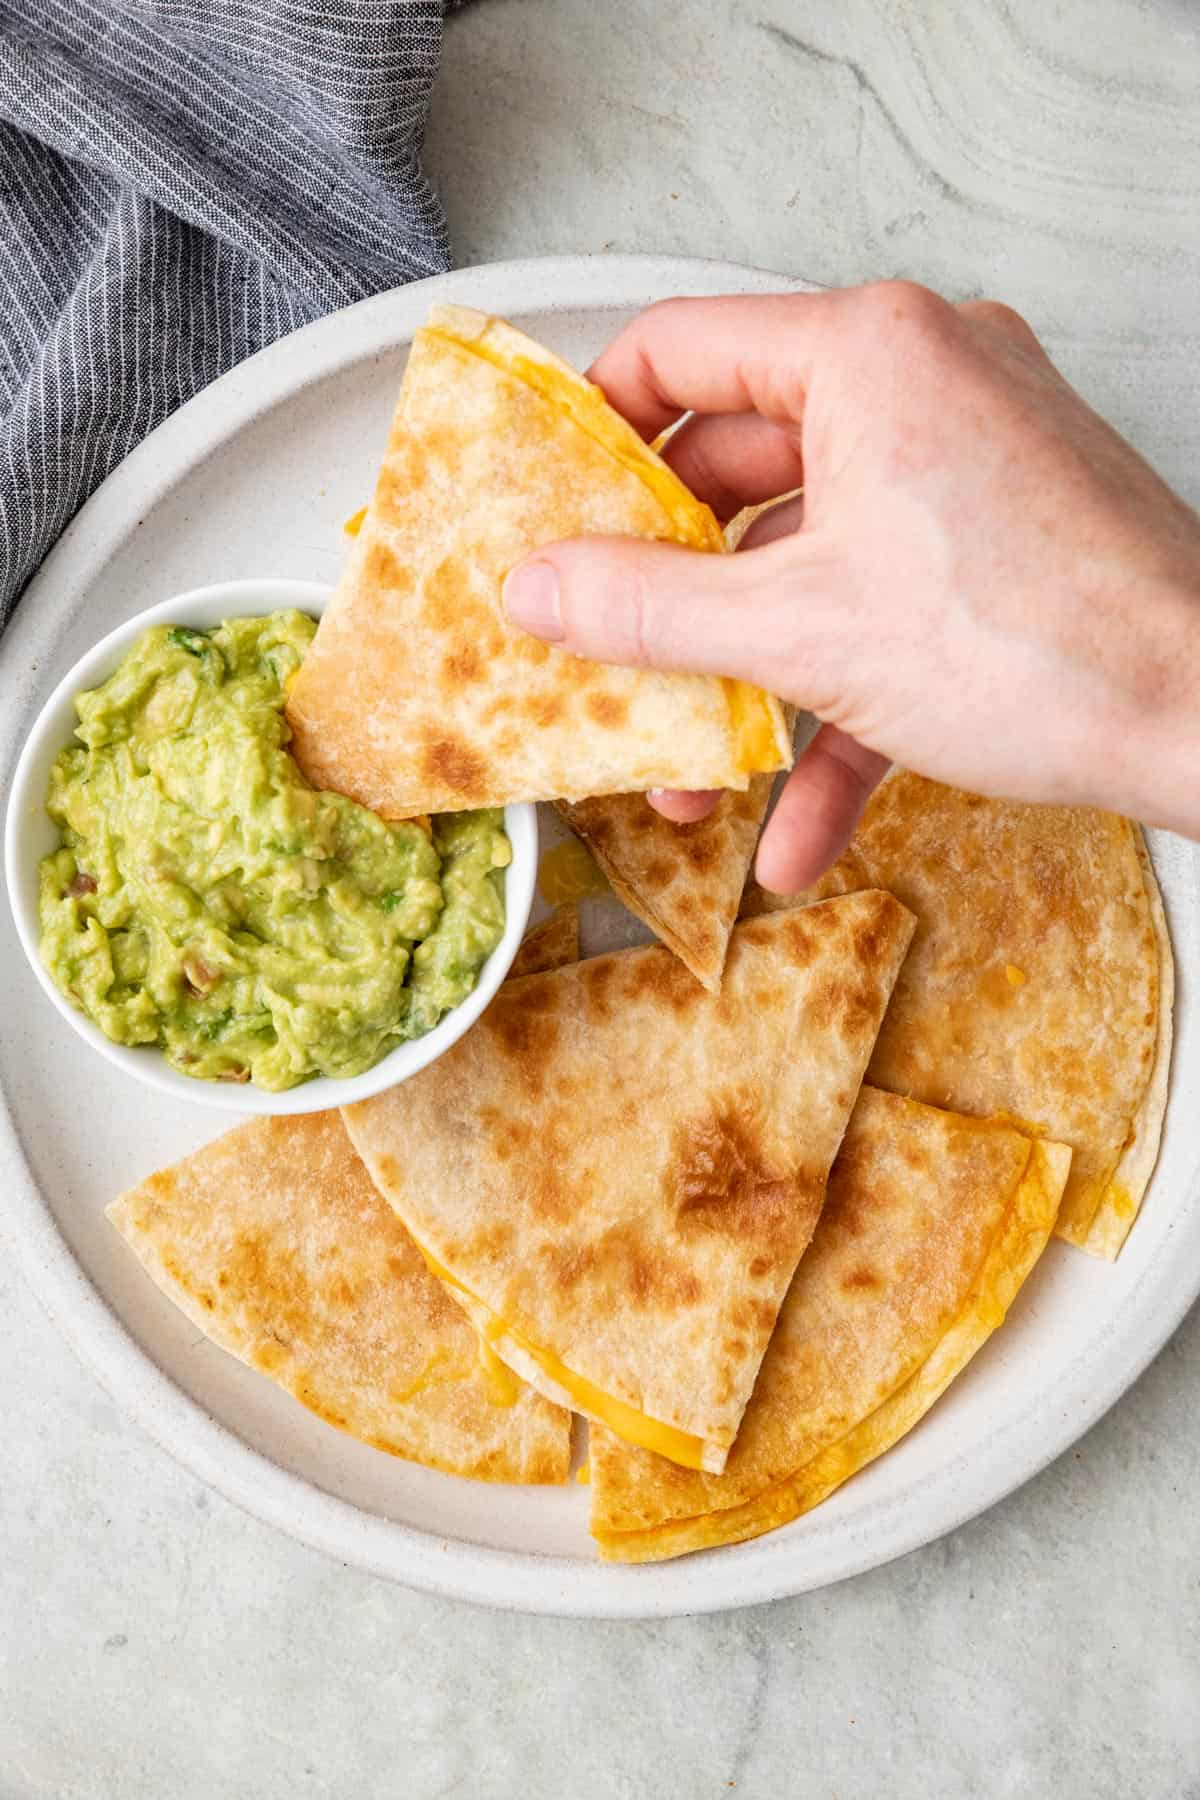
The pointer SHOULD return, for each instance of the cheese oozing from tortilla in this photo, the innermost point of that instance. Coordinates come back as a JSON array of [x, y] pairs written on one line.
[[569, 872], [625, 1420], [752, 723], [1013, 1253]]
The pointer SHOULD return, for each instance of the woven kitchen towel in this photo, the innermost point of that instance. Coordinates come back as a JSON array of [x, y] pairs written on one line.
[[181, 182]]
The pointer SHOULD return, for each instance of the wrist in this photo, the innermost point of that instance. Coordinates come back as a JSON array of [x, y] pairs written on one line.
[[1153, 745]]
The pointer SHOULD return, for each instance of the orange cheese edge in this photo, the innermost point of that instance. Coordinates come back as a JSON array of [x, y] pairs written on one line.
[[1019, 1242], [754, 720], [626, 1421]]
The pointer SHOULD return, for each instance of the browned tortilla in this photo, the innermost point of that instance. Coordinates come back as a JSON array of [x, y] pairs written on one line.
[[418, 695], [1039, 982], [684, 881], [932, 1222], [618, 1171], [274, 1241]]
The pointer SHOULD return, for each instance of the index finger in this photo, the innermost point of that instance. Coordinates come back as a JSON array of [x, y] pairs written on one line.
[[735, 354]]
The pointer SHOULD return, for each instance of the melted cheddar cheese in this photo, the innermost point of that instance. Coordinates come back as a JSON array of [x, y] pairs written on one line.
[[625, 1420], [569, 872], [752, 718]]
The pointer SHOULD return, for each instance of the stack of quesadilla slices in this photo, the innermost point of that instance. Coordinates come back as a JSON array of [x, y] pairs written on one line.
[[650, 1187]]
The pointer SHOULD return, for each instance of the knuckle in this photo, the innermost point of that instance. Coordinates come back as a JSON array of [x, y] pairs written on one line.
[[999, 316], [664, 316], [904, 304]]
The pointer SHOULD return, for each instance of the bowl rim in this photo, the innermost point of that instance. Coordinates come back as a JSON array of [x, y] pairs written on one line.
[[241, 598]]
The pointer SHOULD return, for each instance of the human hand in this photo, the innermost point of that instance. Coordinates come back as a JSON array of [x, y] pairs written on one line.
[[982, 581]]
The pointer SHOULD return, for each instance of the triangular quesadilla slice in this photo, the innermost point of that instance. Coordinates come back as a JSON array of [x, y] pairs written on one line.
[[1040, 982], [931, 1224], [617, 1172], [548, 945], [684, 881], [276, 1243], [418, 695]]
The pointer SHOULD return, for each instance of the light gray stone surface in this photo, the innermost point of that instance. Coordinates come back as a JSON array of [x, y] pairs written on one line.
[[156, 1643]]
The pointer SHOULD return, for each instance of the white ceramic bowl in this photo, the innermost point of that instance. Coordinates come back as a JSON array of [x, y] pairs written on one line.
[[30, 834]]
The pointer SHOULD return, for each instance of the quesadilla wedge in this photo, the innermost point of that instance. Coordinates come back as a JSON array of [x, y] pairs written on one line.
[[549, 945], [1040, 980], [617, 1172], [931, 1224], [418, 695], [276, 1243], [684, 881]]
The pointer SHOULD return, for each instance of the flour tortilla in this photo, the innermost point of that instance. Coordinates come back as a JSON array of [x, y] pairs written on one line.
[[275, 1243], [618, 1172], [932, 1222], [684, 881], [1039, 983], [418, 695], [549, 945]]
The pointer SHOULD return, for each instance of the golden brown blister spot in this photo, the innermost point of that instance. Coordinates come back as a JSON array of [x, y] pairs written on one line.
[[580, 672], [566, 1265], [721, 1182], [874, 937], [448, 607], [608, 710], [402, 471], [600, 978], [449, 763], [532, 650], [862, 1280], [526, 1030], [621, 1262], [801, 942], [508, 1137], [544, 710], [389, 1169], [660, 975], [702, 939], [382, 570], [462, 667], [701, 850]]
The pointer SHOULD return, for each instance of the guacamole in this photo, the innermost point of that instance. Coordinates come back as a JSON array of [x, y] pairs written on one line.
[[207, 900]]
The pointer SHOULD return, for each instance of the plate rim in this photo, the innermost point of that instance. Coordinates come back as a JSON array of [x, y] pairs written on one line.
[[764, 1570]]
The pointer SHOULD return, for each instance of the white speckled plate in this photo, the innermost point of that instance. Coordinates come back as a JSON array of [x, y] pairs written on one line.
[[255, 476]]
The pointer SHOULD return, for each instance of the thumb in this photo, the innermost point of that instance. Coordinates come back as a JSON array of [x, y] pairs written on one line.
[[657, 606]]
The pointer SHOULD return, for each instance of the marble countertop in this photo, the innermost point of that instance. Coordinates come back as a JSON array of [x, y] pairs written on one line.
[[155, 1642]]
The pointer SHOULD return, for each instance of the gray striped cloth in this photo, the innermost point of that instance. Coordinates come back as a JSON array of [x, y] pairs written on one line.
[[181, 182]]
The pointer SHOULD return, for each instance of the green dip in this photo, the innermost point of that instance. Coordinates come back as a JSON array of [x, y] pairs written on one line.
[[207, 900]]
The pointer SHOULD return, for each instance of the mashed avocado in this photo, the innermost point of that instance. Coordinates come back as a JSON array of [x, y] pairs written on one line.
[[207, 900]]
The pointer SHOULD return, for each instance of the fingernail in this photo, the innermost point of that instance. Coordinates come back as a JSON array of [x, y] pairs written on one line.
[[531, 600]]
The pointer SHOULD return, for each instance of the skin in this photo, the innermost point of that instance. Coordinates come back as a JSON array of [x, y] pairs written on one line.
[[982, 581]]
